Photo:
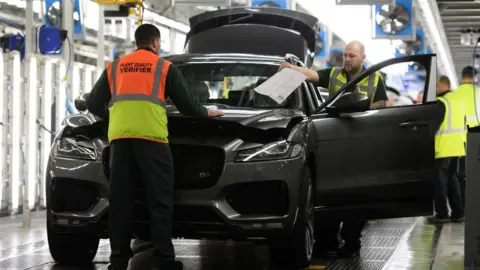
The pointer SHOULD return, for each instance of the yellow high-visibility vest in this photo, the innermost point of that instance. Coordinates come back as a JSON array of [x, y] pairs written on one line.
[[367, 86], [449, 139]]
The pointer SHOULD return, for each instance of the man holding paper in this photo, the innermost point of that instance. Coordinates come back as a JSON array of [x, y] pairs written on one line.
[[334, 78], [374, 87]]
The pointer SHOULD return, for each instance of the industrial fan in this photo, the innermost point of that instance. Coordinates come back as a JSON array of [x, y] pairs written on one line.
[[392, 19], [53, 14]]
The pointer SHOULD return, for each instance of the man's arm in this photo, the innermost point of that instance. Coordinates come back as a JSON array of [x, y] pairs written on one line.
[[380, 99], [97, 101], [320, 77], [176, 88]]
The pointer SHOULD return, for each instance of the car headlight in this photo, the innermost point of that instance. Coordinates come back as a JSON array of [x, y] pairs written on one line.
[[69, 148], [271, 151]]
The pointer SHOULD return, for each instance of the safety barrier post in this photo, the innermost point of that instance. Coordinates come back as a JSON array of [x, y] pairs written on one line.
[[46, 124], [472, 215], [3, 134], [15, 133]]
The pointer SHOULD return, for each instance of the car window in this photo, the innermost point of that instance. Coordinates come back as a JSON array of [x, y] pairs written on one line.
[[233, 84], [403, 83]]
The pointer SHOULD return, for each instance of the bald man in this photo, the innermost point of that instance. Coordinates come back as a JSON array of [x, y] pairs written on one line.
[[334, 78], [374, 87]]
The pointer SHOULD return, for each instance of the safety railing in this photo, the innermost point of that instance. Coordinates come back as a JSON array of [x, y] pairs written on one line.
[[35, 99]]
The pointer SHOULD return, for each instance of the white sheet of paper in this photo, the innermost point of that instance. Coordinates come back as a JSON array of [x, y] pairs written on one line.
[[282, 84]]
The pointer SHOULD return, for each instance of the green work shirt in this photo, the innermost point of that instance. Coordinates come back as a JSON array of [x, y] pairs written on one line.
[[324, 80], [176, 88]]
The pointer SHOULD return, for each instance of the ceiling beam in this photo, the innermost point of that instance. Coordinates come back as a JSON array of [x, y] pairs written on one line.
[[433, 27], [458, 2]]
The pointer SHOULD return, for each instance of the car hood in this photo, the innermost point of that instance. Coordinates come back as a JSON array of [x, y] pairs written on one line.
[[253, 125]]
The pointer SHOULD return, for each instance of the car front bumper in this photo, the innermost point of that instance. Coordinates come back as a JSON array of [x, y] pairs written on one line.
[[256, 199]]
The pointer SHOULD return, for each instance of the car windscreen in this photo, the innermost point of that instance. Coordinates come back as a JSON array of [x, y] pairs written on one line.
[[232, 84]]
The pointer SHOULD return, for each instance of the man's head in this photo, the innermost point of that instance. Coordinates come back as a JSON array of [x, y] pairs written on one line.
[[443, 84], [468, 73], [353, 57], [148, 36]]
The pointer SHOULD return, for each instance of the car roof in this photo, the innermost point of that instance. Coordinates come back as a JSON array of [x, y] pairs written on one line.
[[223, 57]]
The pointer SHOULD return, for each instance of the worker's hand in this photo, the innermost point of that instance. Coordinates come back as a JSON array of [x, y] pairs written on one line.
[[285, 65], [215, 113]]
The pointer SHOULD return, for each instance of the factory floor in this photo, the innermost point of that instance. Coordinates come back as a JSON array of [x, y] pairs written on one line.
[[395, 244]]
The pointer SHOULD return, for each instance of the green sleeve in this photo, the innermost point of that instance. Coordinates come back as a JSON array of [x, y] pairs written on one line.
[[97, 101], [381, 92], [176, 88], [324, 77]]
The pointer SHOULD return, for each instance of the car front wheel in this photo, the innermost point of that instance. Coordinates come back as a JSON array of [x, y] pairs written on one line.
[[297, 249], [72, 249]]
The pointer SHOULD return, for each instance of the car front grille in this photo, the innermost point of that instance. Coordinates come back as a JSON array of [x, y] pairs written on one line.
[[196, 167]]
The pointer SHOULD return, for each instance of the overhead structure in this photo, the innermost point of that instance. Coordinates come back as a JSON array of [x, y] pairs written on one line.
[[429, 17], [462, 28]]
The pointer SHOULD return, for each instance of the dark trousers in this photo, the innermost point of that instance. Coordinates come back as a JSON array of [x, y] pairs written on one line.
[[151, 162], [461, 178], [328, 234], [447, 187]]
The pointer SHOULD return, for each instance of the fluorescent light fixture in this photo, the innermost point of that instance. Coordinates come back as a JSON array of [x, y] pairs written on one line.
[[434, 27], [47, 101], [15, 132], [61, 98], [2, 127], [32, 133]]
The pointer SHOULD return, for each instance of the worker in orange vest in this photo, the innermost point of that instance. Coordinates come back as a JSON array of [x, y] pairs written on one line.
[[135, 88]]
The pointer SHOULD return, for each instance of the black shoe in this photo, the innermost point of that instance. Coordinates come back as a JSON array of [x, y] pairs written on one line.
[[139, 246], [458, 220], [174, 265], [110, 267], [437, 220], [349, 251]]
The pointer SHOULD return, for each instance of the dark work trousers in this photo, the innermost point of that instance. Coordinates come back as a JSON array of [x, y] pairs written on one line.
[[461, 178], [327, 234], [151, 162], [447, 186]]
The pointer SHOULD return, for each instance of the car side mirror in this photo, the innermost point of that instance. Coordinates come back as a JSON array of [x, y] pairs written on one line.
[[81, 102], [349, 102]]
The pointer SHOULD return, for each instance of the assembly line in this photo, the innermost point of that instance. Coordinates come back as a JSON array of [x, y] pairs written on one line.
[[238, 134]]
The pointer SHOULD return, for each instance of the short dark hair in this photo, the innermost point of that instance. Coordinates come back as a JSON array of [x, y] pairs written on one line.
[[444, 80], [145, 34], [468, 71]]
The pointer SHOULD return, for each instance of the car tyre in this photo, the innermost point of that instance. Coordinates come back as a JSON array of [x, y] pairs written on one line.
[[71, 249], [297, 249]]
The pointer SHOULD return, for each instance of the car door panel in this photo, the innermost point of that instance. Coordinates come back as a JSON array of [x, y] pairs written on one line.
[[377, 163]]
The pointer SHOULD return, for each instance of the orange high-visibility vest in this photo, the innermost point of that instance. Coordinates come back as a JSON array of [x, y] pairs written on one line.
[[137, 107]]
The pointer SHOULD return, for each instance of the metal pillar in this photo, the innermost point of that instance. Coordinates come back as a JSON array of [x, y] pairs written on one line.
[[100, 40], [15, 133], [173, 40], [472, 215], [68, 24], [46, 142], [31, 149], [3, 135]]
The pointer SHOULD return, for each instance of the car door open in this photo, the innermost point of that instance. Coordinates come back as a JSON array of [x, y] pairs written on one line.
[[376, 163]]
